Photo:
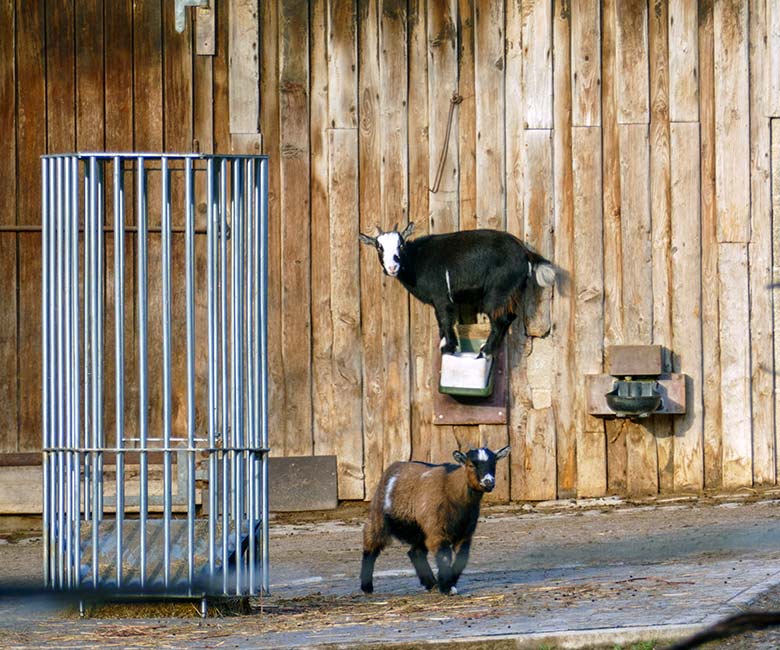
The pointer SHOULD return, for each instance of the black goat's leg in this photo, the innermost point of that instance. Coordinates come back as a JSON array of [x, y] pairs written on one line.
[[445, 317], [419, 557], [498, 328], [444, 565], [367, 571], [461, 559]]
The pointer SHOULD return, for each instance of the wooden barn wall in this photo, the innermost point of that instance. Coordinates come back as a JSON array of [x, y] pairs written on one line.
[[631, 142]]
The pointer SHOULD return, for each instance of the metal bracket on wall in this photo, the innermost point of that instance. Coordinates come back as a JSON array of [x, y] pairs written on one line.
[[180, 6]]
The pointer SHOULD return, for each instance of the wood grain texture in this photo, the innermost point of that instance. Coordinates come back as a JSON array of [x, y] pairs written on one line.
[[346, 425], [563, 306], [683, 61], [295, 206], [393, 84], [244, 69], [775, 182], [466, 126], [735, 364], [709, 253], [686, 301], [732, 121], [537, 64], [585, 63], [760, 254], [422, 334], [588, 285], [370, 216], [631, 55], [660, 202], [773, 45], [342, 64], [514, 120]]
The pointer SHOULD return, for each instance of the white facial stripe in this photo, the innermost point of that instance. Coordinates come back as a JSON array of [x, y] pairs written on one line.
[[389, 493], [391, 248], [488, 477], [482, 455]]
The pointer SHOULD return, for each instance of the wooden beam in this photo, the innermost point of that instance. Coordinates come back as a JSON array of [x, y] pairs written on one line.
[[537, 64], [586, 63], [244, 79], [631, 53], [683, 61]]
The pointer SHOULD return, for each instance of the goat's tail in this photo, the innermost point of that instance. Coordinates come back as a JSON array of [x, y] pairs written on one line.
[[541, 269]]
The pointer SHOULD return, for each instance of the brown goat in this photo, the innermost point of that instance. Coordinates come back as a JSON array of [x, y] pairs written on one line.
[[432, 508]]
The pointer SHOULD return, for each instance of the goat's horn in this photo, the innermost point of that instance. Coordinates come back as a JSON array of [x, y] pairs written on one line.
[[378, 229], [395, 228]]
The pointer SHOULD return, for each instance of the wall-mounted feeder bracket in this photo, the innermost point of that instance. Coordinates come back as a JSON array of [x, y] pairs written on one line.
[[636, 385], [181, 5]]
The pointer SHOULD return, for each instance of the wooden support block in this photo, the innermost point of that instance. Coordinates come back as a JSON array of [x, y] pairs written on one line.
[[634, 360]]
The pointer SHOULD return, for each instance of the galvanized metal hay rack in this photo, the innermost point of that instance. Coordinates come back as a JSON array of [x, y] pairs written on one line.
[[136, 504]]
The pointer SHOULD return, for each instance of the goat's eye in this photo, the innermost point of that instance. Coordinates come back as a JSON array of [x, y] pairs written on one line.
[[379, 248]]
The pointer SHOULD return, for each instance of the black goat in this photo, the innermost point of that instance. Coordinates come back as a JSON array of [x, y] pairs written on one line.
[[485, 269], [432, 508]]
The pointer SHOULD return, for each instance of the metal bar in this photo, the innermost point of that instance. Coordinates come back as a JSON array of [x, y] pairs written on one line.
[[263, 278], [189, 244], [48, 556], [67, 378], [252, 361], [106, 229], [75, 377], [95, 361], [88, 379], [166, 332], [143, 397], [237, 387], [224, 364], [100, 198], [119, 353], [211, 255]]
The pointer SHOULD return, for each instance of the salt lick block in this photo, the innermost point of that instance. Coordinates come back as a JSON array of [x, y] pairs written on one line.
[[465, 370]]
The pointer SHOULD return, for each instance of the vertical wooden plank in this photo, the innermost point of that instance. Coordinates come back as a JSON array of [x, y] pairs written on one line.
[[775, 256], [709, 253], [514, 120], [444, 204], [149, 136], [370, 215], [773, 45], [732, 121], [631, 52], [421, 332], [9, 420], [686, 301], [342, 65], [270, 124], [660, 200], [537, 64], [760, 253], [613, 247], [118, 26], [564, 301], [393, 87], [31, 131], [244, 67], [636, 237], [269, 120], [295, 234], [683, 61], [347, 386], [323, 405], [735, 364], [490, 190], [346, 427], [586, 63], [468, 17], [90, 127], [588, 286]]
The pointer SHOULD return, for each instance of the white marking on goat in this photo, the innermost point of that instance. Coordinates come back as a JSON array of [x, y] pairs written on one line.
[[391, 249], [482, 455], [426, 474], [442, 343], [449, 288], [389, 493], [488, 477]]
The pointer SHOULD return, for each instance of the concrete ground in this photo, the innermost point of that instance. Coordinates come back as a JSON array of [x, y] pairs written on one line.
[[565, 575]]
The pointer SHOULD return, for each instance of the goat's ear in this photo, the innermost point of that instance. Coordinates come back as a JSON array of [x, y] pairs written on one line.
[[408, 230], [370, 241], [504, 451], [459, 456]]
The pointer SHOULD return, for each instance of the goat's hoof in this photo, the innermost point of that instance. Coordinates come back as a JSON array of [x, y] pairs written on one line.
[[449, 348], [367, 588], [453, 591]]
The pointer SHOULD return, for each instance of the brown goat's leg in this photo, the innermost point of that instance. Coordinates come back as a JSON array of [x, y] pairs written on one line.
[[367, 571], [419, 557], [444, 565], [461, 559]]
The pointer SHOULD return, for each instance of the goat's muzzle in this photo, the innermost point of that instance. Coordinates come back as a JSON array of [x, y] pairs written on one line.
[[488, 483]]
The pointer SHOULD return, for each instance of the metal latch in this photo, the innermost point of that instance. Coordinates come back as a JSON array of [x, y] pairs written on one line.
[[180, 5]]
